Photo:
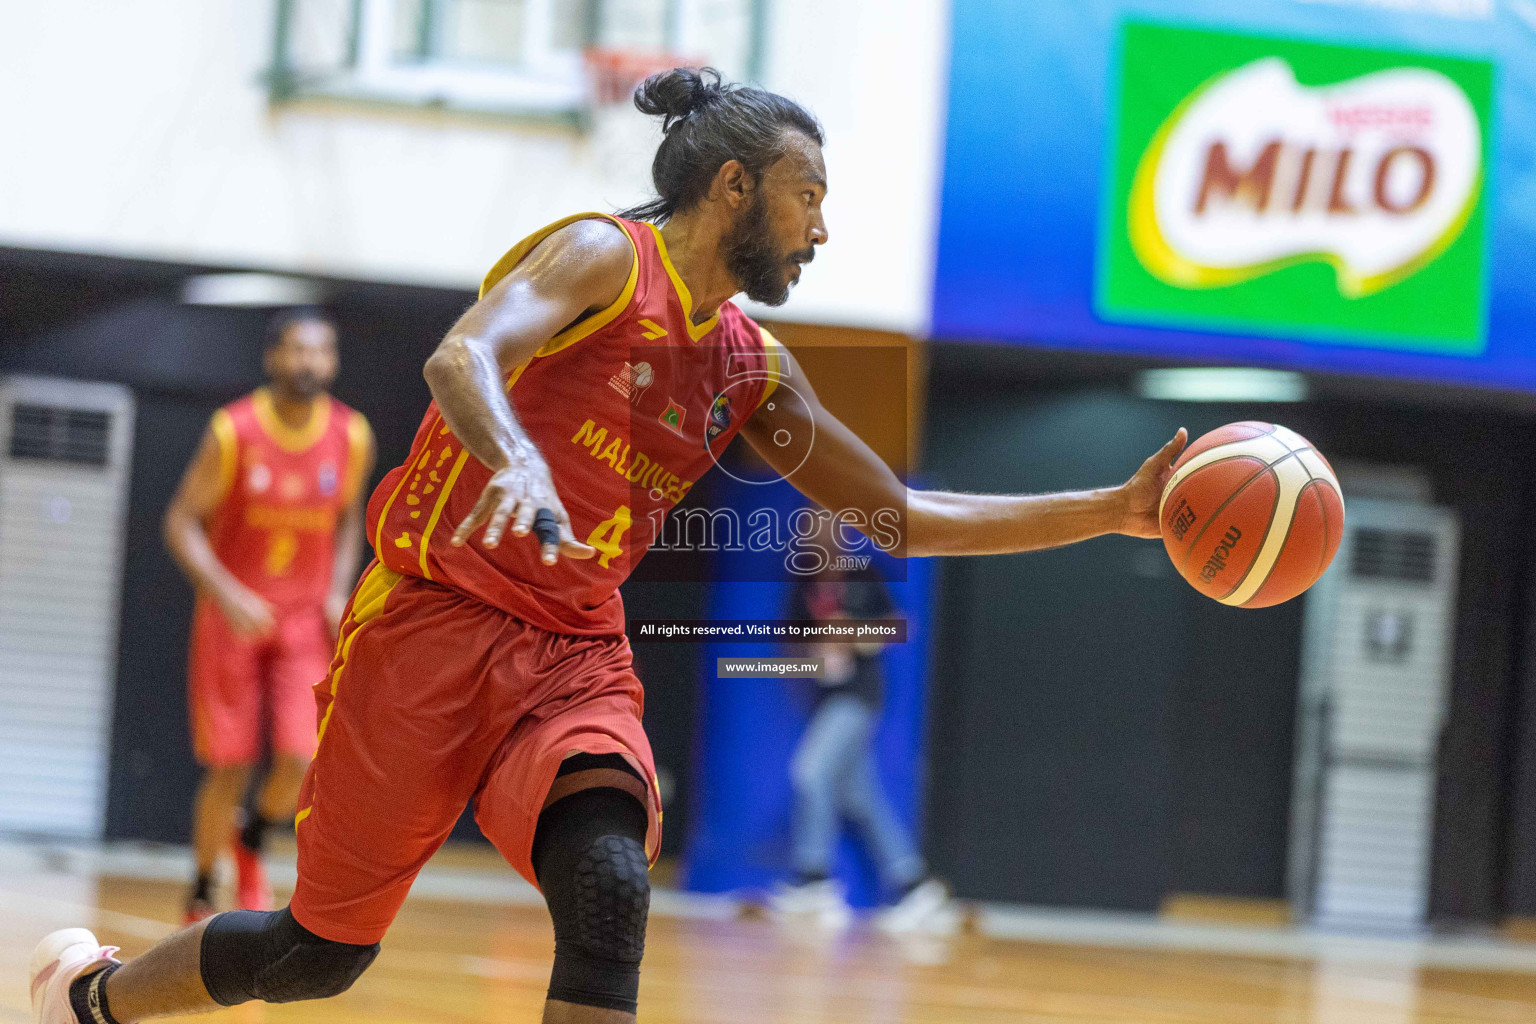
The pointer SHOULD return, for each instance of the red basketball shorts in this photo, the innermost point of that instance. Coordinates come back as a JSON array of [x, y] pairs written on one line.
[[433, 700], [235, 684]]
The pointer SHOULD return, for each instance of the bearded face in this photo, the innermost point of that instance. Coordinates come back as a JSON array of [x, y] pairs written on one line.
[[763, 269], [303, 364]]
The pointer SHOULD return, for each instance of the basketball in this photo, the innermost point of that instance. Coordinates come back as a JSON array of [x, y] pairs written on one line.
[[1252, 514]]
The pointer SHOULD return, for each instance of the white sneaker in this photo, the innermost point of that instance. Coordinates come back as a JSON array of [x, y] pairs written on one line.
[[927, 909], [59, 959], [820, 902]]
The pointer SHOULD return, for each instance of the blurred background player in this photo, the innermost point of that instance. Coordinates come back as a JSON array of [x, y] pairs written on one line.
[[834, 772], [267, 525]]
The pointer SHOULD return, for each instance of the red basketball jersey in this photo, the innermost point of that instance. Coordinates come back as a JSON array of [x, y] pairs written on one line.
[[283, 491], [628, 407]]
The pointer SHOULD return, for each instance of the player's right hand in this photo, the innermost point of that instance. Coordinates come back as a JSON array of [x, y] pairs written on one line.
[[513, 495], [247, 612], [1142, 494]]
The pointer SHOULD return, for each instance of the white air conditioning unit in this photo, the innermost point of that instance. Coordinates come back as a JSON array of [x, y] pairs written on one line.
[[1376, 666], [65, 448]]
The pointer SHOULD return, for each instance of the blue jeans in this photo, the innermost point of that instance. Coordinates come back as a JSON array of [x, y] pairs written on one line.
[[834, 776]]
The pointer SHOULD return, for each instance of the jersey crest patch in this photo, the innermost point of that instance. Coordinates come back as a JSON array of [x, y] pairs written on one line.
[[632, 381], [672, 417], [719, 418], [258, 478]]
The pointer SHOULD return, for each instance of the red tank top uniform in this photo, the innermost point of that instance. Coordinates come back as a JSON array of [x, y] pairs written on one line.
[[477, 685], [284, 490], [629, 407]]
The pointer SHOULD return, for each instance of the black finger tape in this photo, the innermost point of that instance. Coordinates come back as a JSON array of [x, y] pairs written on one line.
[[545, 527]]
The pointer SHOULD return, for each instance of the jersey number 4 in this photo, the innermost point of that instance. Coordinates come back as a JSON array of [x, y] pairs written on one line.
[[608, 536]]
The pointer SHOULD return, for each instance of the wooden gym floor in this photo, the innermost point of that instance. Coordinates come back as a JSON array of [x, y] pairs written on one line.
[[470, 962]]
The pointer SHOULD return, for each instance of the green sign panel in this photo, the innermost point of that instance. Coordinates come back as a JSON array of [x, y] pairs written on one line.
[[1295, 189]]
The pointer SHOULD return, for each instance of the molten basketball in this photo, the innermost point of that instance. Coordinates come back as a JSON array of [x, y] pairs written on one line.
[[1252, 514]]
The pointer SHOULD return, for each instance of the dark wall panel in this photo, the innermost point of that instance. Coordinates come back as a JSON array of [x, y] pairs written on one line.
[[1519, 853], [151, 768], [1051, 768], [1105, 736]]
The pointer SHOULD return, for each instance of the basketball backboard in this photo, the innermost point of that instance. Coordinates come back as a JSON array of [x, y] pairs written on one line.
[[507, 57]]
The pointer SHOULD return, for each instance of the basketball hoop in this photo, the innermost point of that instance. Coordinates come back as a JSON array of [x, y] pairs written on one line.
[[613, 72]]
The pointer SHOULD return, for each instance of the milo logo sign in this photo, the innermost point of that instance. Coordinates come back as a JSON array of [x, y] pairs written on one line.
[[1297, 189]]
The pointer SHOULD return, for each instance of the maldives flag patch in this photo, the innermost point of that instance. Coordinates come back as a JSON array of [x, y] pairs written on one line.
[[672, 417]]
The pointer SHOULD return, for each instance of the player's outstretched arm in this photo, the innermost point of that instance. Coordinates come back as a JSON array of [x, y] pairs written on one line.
[[576, 271], [829, 464]]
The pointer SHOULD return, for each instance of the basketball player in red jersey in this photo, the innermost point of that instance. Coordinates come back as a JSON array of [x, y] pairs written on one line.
[[482, 656], [267, 525]]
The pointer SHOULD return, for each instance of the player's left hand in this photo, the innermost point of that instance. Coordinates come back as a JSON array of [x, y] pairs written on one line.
[[511, 499], [1142, 493]]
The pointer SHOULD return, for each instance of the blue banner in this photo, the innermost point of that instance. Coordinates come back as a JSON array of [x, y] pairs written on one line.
[[1319, 184], [740, 839]]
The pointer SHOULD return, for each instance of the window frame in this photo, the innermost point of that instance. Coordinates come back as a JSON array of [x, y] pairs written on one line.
[[548, 84]]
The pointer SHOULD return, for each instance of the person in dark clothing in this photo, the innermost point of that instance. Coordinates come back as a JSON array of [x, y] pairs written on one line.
[[834, 773]]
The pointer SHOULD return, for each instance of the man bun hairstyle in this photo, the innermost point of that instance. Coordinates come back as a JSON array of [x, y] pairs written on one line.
[[705, 122]]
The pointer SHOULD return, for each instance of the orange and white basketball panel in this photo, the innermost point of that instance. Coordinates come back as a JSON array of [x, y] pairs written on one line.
[[1224, 541], [1316, 528]]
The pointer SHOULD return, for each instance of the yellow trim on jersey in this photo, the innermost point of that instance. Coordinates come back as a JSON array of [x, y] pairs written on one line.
[[223, 427], [378, 533], [695, 331], [596, 321], [773, 356], [293, 439], [515, 374], [442, 499], [367, 604], [359, 444], [437, 510]]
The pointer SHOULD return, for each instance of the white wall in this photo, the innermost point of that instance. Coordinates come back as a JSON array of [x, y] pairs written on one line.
[[141, 128]]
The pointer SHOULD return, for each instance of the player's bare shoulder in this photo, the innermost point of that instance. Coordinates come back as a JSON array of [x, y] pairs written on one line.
[[595, 240], [592, 257]]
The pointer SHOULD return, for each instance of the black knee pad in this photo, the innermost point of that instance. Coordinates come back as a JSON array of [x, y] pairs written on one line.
[[589, 855], [251, 954]]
